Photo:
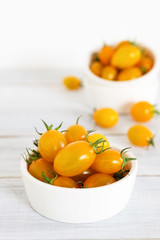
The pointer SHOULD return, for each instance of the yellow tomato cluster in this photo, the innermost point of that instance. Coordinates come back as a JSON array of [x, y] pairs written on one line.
[[75, 158], [123, 62]]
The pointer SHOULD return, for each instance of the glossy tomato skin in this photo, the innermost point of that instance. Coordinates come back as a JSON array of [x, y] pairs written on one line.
[[72, 83], [129, 73], [140, 135], [109, 162], [99, 179], [74, 159], [50, 143], [105, 54], [142, 111], [123, 43], [109, 73], [126, 56], [75, 133], [106, 117], [38, 166], [96, 68], [95, 136], [65, 182]]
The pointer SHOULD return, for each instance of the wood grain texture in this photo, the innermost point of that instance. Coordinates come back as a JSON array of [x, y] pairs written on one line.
[[25, 98], [139, 220]]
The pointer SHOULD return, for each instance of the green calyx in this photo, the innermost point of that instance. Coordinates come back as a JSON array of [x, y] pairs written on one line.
[[143, 69], [81, 183], [155, 111], [49, 180], [125, 159], [77, 121], [31, 155], [119, 175], [49, 127], [95, 144], [151, 141]]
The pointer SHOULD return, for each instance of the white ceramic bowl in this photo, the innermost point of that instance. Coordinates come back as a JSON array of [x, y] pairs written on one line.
[[73, 205], [120, 95]]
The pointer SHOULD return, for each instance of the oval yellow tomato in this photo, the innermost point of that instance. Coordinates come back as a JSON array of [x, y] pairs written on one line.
[[72, 83], [109, 161], [99, 179], [106, 117], [38, 166], [50, 143], [143, 111], [105, 54], [140, 135], [95, 136], [64, 182], [75, 133], [129, 73], [74, 159], [109, 73], [96, 68], [126, 56]]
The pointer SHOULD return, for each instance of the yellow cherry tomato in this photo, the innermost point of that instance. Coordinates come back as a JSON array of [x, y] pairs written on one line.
[[109, 161], [72, 83], [95, 136], [74, 159], [143, 111], [105, 54], [99, 179], [65, 182], [38, 166], [126, 56], [50, 143], [75, 133], [96, 68], [145, 64], [109, 73], [140, 135], [106, 117], [123, 43], [129, 73]]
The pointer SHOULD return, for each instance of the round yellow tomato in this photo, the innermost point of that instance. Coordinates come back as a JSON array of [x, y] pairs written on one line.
[[99, 179], [123, 43], [145, 64], [126, 56], [65, 182], [75, 133], [74, 159], [96, 68], [95, 136], [143, 111], [129, 73], [140, 135], [109, 73], [38, 166], [106, 117], [105, 54], [72, 83], [50, 143], [109, 161]]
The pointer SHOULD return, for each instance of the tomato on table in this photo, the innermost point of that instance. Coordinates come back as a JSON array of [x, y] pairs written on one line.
[[72, 83], [105, 117], [141, 136], [143, 111], [99, 179]]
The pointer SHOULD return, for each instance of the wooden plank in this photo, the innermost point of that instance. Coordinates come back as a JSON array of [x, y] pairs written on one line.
[[139, 220], [12, 148]]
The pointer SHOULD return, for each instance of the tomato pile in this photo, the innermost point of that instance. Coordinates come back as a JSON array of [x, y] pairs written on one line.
[[75, 158], [125, 61]]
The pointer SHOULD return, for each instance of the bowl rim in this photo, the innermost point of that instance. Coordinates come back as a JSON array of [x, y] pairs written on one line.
[[127, 82], [133, 170]]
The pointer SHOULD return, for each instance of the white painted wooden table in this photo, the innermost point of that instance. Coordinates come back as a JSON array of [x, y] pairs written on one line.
[[27, 97]]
